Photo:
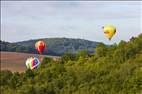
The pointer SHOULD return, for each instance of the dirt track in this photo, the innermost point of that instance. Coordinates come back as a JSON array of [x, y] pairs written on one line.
[[15, 62]]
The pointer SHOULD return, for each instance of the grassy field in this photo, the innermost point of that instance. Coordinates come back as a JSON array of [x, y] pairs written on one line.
[[15, 62]]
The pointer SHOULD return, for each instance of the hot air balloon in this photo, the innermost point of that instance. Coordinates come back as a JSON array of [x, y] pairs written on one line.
[[109, 31], [40, 46], [32, 63]]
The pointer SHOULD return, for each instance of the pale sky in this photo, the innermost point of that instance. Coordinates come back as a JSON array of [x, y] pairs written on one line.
[[25, 20]]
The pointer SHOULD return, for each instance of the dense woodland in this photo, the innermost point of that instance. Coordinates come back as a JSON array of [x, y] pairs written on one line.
[[13, 47], [116, 69], [55, 46]]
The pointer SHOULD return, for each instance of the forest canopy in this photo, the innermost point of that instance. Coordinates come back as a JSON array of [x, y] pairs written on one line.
[[116, 69]]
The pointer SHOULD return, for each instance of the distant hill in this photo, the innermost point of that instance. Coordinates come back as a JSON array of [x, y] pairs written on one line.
[[55, 46], [13, 47]]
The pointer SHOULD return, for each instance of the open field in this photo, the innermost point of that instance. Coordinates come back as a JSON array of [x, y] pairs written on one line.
[[15, 62]]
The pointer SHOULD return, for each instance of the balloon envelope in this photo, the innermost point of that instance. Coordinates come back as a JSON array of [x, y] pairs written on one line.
[[109, 31], [32, 63], [40, 46]]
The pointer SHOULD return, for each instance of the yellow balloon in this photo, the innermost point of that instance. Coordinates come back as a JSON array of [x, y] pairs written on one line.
[[109, 31]]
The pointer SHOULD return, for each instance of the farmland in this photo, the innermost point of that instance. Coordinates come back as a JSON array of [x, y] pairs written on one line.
[[15, 62]]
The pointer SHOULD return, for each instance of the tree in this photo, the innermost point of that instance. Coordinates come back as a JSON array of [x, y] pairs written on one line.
[[100, 50], [67, 56], [83, 54]]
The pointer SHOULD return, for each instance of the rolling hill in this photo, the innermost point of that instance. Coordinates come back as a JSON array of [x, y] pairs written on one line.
[[55, 46]]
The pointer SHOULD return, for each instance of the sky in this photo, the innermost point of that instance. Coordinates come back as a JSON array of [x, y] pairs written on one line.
[[25, 20]]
